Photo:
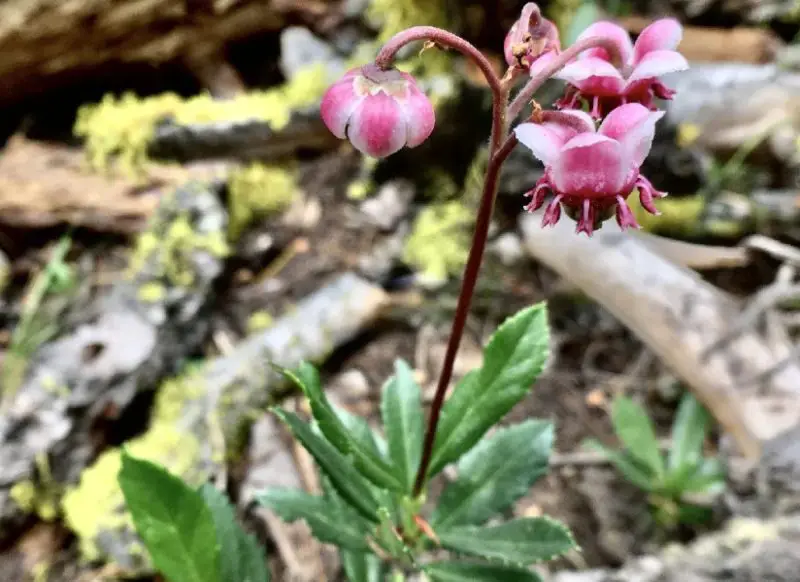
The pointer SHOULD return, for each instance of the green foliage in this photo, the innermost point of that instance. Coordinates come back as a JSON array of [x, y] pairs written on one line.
[[513, 359], [370, 507], [668, 480], [37, 324], [327, 521], [490, 479], [521, 541], [402, 416], [241, 557], [191, 534], [478, 572]]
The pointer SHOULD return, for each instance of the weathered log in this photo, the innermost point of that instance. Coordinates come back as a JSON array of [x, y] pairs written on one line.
[[44, 43], [146, 325], [200, 419], [242, 140], [750, 383], [747, 550]]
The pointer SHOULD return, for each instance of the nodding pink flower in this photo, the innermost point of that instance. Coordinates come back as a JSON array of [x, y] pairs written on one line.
[[379, 111], [605, 85], [530, 37], [591, 172]]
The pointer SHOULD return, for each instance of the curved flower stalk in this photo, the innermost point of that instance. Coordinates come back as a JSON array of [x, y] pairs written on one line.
[[605, 84], [592, 171]]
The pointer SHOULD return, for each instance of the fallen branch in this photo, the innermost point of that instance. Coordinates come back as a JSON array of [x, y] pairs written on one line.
[[678, 316]]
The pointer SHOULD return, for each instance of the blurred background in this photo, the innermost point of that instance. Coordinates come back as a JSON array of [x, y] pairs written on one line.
[[173, 214]]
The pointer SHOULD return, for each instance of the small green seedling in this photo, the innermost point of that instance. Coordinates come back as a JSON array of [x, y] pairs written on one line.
[[673, 480]]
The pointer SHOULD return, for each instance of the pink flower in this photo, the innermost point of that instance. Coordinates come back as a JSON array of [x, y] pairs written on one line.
[[378, 111], [592, 172], [605, 85], [530, 37]]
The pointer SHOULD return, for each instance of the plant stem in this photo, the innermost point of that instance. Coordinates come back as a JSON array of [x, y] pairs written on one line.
[[558, 63], [444, 38], [464, 299]]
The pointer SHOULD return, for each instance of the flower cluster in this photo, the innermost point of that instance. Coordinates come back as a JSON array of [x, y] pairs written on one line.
[[592, 146]]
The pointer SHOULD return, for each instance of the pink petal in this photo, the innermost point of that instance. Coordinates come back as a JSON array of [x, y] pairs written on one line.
[[589, 165], [378, 128], [633, 126], [420, 116], [593, 76], [618, 35], [582, 120], [338, 105], [540, 62], [662, 35], [657, 63], [545, 140]]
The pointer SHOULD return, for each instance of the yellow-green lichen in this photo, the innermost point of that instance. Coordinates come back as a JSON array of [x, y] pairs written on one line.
[[152, 292], [41, 496], [257, 191], [439, 241], [121, 127], [96, 504], [169, 252], [678, 215], [259, 321]]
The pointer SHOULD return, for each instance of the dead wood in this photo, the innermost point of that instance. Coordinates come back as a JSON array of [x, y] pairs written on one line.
[[680, 317], [46, 42]]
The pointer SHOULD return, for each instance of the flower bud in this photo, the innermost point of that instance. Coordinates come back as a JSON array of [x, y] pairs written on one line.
[[530, 37], [379, 111]]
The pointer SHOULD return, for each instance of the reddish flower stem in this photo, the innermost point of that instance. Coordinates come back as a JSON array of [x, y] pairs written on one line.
[[561, 60], [441, 37], [464, 299]]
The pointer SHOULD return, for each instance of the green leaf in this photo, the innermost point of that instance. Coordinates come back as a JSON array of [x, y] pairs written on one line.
[[513, 359], [709, 478], [241, 557], [494, 474], [521, 541], [688, 433], [401, 409], [323, 517], [368, 462], [173, 521], [343, 475], [626, 465], [694, 514], [634, 429], [362, 567], [478, 572]]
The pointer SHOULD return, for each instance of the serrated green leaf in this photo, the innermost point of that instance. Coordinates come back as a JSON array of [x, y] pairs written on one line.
[[343, 475], [362, 567], [401, 409], [241, 557], [478, 572], [366, 461], [360, 431], [635, 430], [513, 359], [521, 541], [321, 515], [494, 474], [626, 465], [173, 521], [688, 433]]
